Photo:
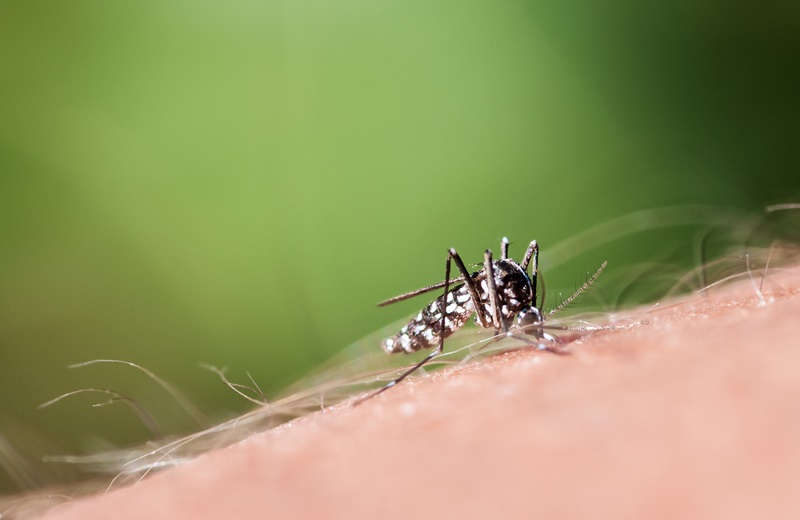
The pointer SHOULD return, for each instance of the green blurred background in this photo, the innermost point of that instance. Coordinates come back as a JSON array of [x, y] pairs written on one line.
[[239, 182]]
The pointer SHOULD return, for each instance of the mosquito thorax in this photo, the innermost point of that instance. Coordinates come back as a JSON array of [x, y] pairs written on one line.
[[514, 289]]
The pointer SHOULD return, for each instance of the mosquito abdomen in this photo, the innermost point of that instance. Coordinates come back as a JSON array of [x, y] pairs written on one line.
[[424, 330]]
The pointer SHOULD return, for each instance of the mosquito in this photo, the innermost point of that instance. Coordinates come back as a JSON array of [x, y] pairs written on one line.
[[502, 296]]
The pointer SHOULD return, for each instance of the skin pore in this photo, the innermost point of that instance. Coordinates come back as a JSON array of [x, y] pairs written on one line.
[[694, 414]]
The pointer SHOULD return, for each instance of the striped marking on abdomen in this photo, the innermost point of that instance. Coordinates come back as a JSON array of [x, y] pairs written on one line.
[[424, 330]]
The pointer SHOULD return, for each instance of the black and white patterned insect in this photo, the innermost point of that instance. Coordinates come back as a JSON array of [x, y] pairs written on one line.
[[502, 296]]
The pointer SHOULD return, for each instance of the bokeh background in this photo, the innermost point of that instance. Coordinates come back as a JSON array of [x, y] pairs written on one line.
[[238, 183]]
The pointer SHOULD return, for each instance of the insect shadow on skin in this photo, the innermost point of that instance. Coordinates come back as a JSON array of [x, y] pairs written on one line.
[[502, 296]]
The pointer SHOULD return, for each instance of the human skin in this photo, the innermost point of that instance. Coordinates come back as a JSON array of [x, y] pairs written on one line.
[[694, 414]]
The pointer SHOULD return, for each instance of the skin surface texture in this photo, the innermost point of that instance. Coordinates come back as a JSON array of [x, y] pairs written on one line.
[[695, 414]]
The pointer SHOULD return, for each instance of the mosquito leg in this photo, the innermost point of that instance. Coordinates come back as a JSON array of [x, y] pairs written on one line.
[[535, 271], [404, 375], [533, 250], [497, 320], [504, 248], [483, 320], [442, 305], [550, 347], [411, 294], [543, 292]]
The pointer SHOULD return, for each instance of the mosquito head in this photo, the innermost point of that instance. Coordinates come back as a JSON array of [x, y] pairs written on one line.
[[530, 320]]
